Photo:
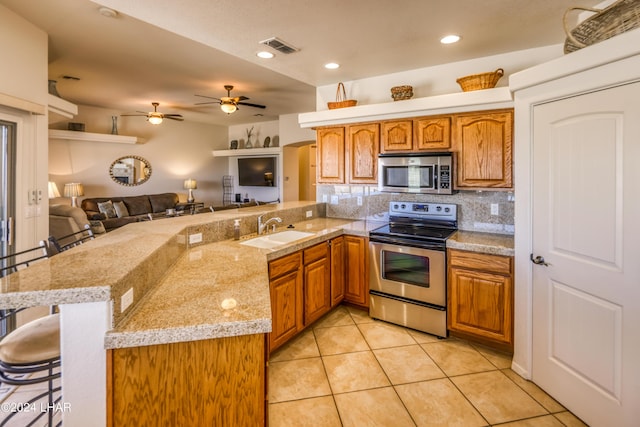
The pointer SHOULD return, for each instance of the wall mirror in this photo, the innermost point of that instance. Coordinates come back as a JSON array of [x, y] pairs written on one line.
[[130, 170]]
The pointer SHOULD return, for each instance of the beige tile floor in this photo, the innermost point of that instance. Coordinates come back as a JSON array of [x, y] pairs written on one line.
[[350, 370]]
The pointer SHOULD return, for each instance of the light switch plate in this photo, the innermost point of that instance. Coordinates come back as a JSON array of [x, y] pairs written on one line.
[[195, 238], [126, 300], [495, 209], [334, 200], [309, 214]]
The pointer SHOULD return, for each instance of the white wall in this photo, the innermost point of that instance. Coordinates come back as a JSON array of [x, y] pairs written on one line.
[[23, 78], [176, 151], [437, 80]]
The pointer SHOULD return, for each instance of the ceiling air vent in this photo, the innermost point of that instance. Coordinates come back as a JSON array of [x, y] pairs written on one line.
[[279, 45]]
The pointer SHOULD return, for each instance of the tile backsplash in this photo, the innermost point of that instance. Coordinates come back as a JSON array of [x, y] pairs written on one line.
[[474, 207]]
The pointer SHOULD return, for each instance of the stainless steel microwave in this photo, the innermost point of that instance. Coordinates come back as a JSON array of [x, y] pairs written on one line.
[[416, 173]]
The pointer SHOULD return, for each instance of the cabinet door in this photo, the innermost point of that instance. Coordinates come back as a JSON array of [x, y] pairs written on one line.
[[330, 151], [432, 133], [480, 304], [286, 299], [357, 271], [317, 282], [396, 136], [337, 270], [483, 143], [362, 153]]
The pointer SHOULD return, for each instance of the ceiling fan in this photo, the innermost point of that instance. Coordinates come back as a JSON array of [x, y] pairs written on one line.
[[229, 104], [155, 117]]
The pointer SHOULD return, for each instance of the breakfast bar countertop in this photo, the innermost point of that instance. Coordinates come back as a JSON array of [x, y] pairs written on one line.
[[218, 289]]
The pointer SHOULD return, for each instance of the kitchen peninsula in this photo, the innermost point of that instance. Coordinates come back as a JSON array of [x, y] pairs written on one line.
[[210, 297]]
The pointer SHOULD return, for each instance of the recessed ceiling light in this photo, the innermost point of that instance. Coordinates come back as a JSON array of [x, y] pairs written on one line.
[[331, 66], [452, 38], [265, 55]]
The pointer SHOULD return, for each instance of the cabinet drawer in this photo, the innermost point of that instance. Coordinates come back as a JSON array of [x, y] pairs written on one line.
[[284, 265], [316, 252], [494, 263]]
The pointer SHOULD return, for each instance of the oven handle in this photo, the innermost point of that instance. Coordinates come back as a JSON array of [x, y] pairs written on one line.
[[408, 301], [394, 240]]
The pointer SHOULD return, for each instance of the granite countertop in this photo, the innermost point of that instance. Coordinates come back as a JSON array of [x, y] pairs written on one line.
[[218, 289], [488, 243]]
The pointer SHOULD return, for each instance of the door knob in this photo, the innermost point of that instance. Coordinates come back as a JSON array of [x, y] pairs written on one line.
[[539, 260]]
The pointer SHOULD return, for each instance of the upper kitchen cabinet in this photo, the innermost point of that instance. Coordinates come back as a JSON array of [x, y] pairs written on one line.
[[357, 154], [483, 145], [420, 134], [397, 136], [330, 154], [362, 153]]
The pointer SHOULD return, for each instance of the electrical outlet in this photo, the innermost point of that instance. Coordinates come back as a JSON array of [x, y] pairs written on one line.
[[309, 214], [195, 238], [126, 300], [495, 209], [325, 199], [334, 200], [359, 200]]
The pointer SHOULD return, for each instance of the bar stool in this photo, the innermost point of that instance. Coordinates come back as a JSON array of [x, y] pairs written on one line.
[[69, 241], [30, 354]]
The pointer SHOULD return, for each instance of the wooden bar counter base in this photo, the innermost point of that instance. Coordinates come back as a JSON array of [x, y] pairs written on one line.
[[214, 382]]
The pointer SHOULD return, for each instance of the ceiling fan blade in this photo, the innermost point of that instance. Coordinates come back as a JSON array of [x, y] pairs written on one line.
[[140, 115], [177, 117], [206, 103], [252, 105], [239, 98], [210, 97]]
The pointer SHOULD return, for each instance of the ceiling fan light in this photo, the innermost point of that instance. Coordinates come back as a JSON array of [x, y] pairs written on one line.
[[228, 107], [155, 118]]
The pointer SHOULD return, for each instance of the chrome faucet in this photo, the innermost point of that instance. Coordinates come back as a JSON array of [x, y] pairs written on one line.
[[262, 227]]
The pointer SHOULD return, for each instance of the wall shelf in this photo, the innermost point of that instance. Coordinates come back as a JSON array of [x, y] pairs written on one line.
[[248, 152], [68, 135], [487, 99]]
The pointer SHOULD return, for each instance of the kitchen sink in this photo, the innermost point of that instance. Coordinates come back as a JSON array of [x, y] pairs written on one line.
[[270, 241]]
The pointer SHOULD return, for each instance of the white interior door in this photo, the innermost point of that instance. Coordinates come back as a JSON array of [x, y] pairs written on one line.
[[586, 226]]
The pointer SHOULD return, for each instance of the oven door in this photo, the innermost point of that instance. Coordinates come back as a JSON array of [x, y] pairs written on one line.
[[415, 273]]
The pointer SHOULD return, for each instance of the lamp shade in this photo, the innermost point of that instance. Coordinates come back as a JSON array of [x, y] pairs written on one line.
[[73, 189], [155, 118], [190, 184], [53, 190]]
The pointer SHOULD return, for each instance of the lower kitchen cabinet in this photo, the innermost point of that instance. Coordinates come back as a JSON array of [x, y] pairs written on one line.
[[480, 297], [357, 271], [214, 382], [337, 270], [317, 282], [285, 282]]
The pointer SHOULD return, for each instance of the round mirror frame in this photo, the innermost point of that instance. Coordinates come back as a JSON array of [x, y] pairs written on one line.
[[146, 171]]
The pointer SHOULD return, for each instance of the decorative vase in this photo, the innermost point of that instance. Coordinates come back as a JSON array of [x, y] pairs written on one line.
[[248, 144], [114, 125], [53, 90]]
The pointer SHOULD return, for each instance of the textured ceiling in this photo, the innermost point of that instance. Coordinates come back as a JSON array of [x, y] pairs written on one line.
[[168, 51]]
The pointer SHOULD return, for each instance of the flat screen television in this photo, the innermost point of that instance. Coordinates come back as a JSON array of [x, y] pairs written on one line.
[[257, 171]]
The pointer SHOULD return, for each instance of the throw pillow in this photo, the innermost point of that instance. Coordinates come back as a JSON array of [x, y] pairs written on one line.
[[107, 209], [97, 216], [97, 227], [121, 209]]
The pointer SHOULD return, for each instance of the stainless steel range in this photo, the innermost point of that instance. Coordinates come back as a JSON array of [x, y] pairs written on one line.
[[408, 276]]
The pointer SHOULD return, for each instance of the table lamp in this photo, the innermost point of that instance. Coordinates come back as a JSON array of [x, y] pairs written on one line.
[[73, 190], [190, 184]]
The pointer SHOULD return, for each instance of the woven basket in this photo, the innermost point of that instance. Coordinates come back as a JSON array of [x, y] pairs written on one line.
[[621, 16], [341, 99], [399, 93], [480, 81]]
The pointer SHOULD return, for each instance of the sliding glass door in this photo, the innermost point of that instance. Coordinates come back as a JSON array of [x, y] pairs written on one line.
[[7, 187]]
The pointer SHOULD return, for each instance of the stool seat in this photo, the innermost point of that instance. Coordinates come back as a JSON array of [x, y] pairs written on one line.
[[33, 342]]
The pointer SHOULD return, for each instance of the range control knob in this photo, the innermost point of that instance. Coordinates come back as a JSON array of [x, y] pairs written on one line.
[[438, 208], [395, 206], [403, 206], [447, 210]]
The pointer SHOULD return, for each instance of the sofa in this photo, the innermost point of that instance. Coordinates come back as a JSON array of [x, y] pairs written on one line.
[[142, 208], [131, 208], [66, 219]]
